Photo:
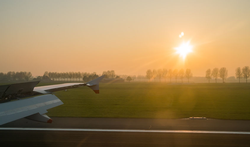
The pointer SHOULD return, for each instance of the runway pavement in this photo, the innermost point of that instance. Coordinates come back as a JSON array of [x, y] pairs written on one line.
[[136, 132]]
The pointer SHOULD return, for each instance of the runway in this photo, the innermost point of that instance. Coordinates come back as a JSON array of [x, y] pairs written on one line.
[[108, 132], [126, 131]]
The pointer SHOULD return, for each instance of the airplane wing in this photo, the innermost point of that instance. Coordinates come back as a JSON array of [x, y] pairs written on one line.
[[38, 106], [94, 85], [13, 107]]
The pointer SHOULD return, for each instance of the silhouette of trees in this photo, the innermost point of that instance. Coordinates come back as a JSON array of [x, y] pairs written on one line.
[[175, 74], [159, 74], [79, 76], [188, 74], [208, 75], [89, 77], [13, 76], [129, 78], [27, 76], [109, 74], [170, 75], [181, 75], [238, 73], [246, 72], [2, 76], [154, 74], [164, 74], [149, 74], [38, 78], [68, 76], [223, 74], [215, 74]]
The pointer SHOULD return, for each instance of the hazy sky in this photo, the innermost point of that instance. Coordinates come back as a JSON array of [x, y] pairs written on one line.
[[128, 36]]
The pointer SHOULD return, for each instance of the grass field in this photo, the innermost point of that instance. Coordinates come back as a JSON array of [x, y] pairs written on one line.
[[156, 100]]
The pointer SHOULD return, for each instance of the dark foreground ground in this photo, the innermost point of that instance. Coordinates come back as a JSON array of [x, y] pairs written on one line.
[[124, 139]]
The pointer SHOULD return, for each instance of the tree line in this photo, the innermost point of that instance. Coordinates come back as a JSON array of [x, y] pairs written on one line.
[[67, 76], [169, 74], [15, 76], [242, 73], [223, 73], [110, 74], [75, 76], [216, 73], [56, 76]]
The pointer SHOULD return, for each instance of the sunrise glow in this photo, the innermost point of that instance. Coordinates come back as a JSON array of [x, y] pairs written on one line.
[[184, 49]]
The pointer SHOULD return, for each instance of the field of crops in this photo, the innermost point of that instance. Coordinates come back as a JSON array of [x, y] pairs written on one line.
[[157, 100]]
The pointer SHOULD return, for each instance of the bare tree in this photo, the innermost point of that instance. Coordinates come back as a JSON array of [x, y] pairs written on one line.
[[109, 74], [28, 75], [246, 72], [50, 75], [70, 75], [188, 74], [215, 74], [164, 74], [46, 73], [11, 75], [149, 74], [170, 75], [154, 74], [66, 76], [175, 74], [2, 76], [159, 74], [112, 74], [181, 75], [238, 73], [20, 75], [208, 75], [223, 74], [129, 78], [73, 76]]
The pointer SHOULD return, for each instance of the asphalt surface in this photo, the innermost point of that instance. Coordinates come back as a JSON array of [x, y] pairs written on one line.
[[110, 139]]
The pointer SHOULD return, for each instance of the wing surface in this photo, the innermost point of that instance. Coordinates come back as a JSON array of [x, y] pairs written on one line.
[[94, 85], [14, 110], [33, 108], [57, 87], [13, 91]]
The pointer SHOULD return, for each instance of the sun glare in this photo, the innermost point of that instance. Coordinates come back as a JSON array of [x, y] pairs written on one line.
[[184, 49]]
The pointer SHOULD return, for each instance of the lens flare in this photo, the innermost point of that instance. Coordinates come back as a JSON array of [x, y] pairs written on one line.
[[184, 49], [182, 34]]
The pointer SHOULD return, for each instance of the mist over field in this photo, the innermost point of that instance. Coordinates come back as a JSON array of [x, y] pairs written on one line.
[[156, 100], [125, 73], [160, 59]]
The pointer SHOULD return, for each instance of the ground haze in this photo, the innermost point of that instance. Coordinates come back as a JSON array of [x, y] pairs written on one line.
[[157, 100]]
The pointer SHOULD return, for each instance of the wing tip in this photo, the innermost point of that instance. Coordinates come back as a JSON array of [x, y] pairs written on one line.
[[96, 91], [49, 121]]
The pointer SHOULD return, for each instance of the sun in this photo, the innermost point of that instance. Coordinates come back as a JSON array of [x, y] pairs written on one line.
[[184, 49]]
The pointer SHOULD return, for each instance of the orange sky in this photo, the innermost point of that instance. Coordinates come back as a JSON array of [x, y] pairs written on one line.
[[126, 36]]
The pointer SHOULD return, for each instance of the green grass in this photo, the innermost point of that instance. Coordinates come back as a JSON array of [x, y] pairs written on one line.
[[156, 100]]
